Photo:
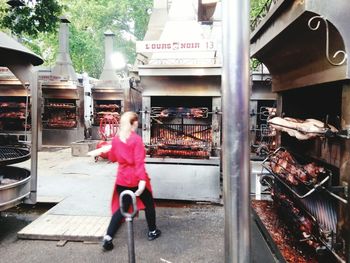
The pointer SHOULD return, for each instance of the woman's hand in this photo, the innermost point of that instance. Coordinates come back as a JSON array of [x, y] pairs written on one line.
[[141, 188]]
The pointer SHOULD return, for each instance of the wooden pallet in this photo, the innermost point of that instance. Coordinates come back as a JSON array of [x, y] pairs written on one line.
[[65, 227]]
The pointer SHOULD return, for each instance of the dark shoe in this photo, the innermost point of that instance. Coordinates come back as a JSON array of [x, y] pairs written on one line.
[[107, 245], [154, 234]]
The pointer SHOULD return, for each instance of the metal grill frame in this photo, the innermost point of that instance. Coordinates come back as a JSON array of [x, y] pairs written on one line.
[[181, 138], [11, 155], [71, 106]]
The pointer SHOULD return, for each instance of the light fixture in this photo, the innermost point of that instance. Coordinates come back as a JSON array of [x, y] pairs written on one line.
[[118, 60]]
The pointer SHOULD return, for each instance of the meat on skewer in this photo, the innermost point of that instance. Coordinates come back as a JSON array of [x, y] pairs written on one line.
[[283, 164]]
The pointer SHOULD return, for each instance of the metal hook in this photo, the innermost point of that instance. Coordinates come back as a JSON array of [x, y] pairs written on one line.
[[128, 216], [316, 27]]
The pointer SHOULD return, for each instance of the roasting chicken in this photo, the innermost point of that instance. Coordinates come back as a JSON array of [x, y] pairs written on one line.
[[56, 123], [283, 164], [191, 112], [301, 129], [12, 104], [13, 115]]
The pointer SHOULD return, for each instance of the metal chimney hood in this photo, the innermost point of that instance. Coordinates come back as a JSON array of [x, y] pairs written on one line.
[[64, 67], [109, 78]]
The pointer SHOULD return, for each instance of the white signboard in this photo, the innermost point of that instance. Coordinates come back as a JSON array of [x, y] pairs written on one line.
[[171, 46]]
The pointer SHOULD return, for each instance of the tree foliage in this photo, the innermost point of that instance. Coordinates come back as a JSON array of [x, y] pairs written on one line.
[[256, 6], [37, 27], [128, 19], [32, 18]]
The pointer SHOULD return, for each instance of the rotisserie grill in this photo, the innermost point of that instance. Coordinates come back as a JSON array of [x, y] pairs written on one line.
[[18, 94], [310, 74], [181, 103], [60, 114], [180, 131], [262, 109], [15, 108], [102, 108], [180, 140], [62, 98], [108, 94], [181, 128]]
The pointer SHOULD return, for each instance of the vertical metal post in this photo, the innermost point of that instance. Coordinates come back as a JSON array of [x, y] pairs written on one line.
[[131, 245], [235, 108], [34, 137], [128, 219]]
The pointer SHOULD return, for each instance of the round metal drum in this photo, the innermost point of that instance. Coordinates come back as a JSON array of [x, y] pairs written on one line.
[[14, 186]]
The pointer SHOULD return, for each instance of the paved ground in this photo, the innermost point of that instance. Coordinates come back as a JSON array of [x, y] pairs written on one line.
[[192, 232], [84, 187], [81, 185]]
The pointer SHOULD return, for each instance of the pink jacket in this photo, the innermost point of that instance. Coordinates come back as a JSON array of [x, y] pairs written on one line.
[[131, 159]]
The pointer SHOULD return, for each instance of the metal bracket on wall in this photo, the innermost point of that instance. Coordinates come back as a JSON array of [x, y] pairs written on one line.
[[316, 27]]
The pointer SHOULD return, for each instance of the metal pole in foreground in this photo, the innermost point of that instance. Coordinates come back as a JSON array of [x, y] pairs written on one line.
[[235, 146], [34, 138], [128, 219]]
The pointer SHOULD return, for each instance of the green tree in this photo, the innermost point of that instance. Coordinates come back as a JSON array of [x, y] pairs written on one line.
[[32, 18], [256, 7], [128, 19]]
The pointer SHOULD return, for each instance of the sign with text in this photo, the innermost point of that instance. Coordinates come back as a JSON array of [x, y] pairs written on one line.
[[49, 78], [171, 46]]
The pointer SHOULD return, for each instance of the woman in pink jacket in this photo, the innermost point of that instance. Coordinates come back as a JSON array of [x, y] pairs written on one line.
[[128, 150]]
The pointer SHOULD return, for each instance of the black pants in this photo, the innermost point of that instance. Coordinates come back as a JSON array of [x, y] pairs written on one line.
[[147, 200]]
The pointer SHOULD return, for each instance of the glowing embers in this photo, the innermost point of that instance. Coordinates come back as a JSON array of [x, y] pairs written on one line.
[[181, 140], [60, 114], [14, 114], [105, 108]]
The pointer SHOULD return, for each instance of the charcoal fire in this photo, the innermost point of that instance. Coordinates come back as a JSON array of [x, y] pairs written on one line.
[[180, 140], [60, 114], [15, 105], [311, 215], [103, 108]]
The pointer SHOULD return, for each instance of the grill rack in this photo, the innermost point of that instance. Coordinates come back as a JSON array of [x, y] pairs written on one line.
[[310, 185], [10, 155], [288, 205], [60, 105], [107, 106], [176, 112], [303, 189], [178, 140], [326, 236], [163, 131]]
